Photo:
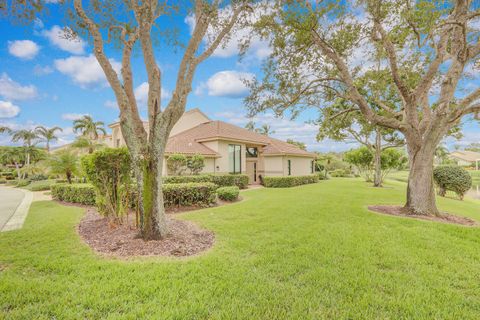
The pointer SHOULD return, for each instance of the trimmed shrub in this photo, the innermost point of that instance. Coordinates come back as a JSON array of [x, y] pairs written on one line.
[[42, 185], [38, 177], [339, 173], [322, 175], [196, 163], [177, 164], [229, 180], [228, 193], [289, 181], [189, 194], [187, 179], [22, 183], [82, 193], [452, 178]]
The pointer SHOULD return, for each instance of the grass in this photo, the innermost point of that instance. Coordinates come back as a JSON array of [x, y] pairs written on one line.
[[310, 252]]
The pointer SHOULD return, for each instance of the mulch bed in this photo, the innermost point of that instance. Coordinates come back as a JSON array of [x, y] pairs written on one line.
[[184, 239], [402, 212]]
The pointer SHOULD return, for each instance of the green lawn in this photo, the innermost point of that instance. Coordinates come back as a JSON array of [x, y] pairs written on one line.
[[311, 252]]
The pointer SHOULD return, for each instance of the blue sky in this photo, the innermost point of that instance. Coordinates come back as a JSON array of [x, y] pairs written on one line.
[[48, 80]]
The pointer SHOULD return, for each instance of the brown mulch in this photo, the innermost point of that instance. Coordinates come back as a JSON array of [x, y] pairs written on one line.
[[403, 212], [184, 238]]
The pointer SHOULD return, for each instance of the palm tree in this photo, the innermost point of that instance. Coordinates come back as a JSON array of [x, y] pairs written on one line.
[[265, 130], [12, 155], [65, 163], [5, 130], [250, 126], [86, 143], [89, 129], [48, 134], [28, 137]]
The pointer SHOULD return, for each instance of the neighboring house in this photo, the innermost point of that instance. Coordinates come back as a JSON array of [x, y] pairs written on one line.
[[466, 158], [230, 149]]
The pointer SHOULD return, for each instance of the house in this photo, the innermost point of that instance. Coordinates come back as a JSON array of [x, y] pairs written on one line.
[[230, 149], [466, 158]]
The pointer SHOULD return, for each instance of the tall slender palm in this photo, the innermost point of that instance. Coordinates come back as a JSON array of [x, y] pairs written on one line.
[[13, 155], [48, 134], [29, 138], [88, 128], [266, 130]]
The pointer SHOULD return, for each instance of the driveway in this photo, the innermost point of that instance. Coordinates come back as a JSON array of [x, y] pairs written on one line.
[[14, 205]]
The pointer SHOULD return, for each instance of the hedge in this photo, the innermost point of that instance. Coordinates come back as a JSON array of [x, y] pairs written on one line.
[[82, 193], [289, 181], [228, 193], [187, 179], [189, 194], [221, 180]]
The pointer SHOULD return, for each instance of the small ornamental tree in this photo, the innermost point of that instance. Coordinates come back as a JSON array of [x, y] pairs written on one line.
[[176, 164], [109, 170], [362, 158], [452, 178], [196, 163]]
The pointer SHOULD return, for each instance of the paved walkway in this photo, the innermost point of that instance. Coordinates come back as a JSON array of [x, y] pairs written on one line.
[[14, 206]]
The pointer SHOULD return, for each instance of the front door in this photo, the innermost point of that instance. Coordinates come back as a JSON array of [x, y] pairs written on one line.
[[252, 172]]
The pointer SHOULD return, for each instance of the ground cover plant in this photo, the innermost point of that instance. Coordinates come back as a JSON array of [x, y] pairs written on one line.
[[280, 254]]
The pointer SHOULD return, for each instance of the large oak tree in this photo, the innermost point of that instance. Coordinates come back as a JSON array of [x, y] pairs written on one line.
[[424, 48], [131, 24]]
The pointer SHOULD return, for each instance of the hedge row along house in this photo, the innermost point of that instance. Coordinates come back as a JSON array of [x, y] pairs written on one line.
[[229, 149]]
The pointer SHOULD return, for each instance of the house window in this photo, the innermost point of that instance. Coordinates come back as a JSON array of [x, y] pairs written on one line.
[[117, 144], [235, 158], [252, 152], [289, 167], [312, 166]]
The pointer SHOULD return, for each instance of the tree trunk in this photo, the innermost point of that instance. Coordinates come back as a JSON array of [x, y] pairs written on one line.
[[377, 180], [153, 223], [420, 189], [69, 177]]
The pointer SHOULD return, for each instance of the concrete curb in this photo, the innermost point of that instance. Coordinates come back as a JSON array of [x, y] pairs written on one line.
[[18, 218]]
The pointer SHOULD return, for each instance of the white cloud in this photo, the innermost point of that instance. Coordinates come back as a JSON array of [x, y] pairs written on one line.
[[12, 90], [23, 49], [57, 37], [8, 109], [226, 83], [84, 71], [287, 129], [111, 104], [39, 70], [258, 48], [72, 116]]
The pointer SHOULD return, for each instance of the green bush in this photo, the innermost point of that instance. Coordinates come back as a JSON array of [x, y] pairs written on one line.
[[228, 193], [3, 180], [187, 179], [41, 185], [22, 183], [109, 171], [177, 164], [339, 173], [229, 180], [189, 194], [196, 163], [452, 178], [289, 181], [322, 175], [221, 180], [38, 177], [82, 193]]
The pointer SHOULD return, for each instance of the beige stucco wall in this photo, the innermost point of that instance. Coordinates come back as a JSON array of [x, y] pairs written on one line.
[[273, 166], [278, 166]]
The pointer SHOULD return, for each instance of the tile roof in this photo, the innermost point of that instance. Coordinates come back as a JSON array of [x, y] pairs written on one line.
[[470, 156], [190, 140]]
